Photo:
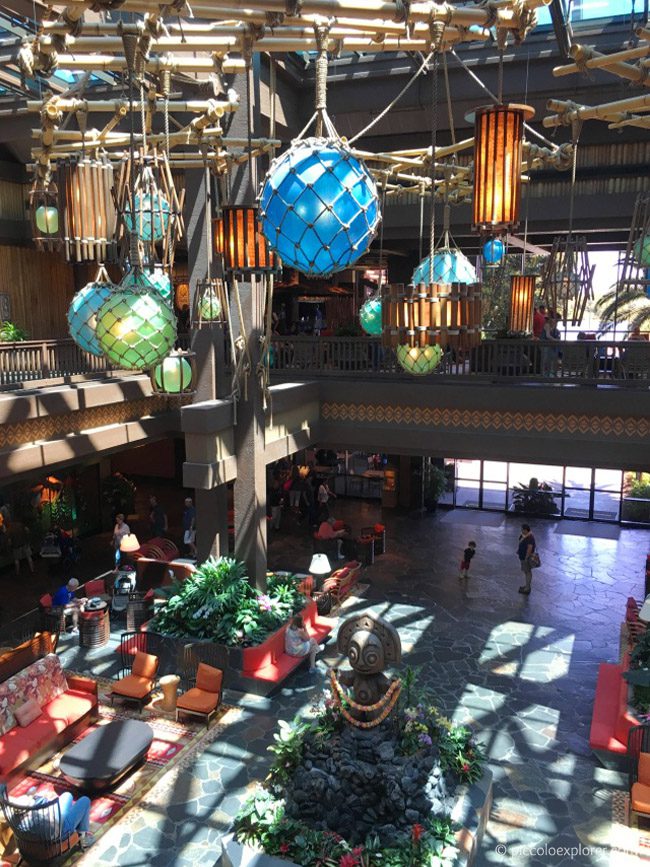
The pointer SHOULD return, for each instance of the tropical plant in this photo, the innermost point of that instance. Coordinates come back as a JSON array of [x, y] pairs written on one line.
[[219, 604], [287, 749], [11, 333], [495, 291], [535, 498], [435, 483], [629, 305], [118, 493]]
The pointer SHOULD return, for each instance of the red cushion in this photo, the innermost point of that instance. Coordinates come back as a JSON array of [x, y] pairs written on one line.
[[70, 706], [27, 713], [17, 745], [45, 601], [338, 525]]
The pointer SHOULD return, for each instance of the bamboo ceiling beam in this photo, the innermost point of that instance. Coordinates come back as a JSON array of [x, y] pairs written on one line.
[[189, 106], [568, 112], [589, 58], [109, 63], [498, 15]]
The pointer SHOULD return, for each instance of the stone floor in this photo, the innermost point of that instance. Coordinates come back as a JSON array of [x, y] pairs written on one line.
[[521, 669]]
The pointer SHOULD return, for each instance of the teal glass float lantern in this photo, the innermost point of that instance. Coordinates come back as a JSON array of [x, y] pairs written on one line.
[[151, 219], [175, 374], [449, 266], [159, 279], [419, 360], [493, 252], [319, 207], [82, 313], [370, 316], [642, 251], [136, 328]]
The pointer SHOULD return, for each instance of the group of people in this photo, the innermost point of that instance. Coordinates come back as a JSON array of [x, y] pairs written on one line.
[[307, 496], [526, 553], [158, 526]]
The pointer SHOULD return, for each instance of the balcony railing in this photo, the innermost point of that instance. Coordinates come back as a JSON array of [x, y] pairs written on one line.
[[568, 362], [33, 360]]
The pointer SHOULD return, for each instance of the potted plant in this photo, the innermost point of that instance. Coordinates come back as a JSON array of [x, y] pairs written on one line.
[[435, 483], [536, 498], [10, 333]]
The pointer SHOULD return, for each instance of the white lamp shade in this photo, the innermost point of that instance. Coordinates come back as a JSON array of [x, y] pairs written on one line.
[[319, 565], [644, 611], [129, 543]]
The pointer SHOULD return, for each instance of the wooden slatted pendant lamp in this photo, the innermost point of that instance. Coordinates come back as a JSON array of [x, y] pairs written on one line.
[[88, 209], [243, 245], [498, 139], [522, 297]]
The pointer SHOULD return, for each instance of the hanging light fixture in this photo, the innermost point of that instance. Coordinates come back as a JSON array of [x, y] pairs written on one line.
[[370, 315], [522, 298], [210, 303], [493, 252], [245, 250], [175, 375], [44, 212], [88, 209], [82, 313], [498, 139]]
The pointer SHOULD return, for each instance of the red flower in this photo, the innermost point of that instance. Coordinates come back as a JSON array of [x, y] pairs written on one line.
[[416, 832], [284, 848], [465, 767], [348, 861], [357, 850]]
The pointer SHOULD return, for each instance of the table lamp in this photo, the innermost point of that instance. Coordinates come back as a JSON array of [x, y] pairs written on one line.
[[129, 543], [319, 567]]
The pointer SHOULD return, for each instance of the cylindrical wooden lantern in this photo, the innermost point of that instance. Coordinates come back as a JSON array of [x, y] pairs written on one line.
[[522, 296], [88, 209], [448, 314], [44, 212], [244, 246], [498, 138]]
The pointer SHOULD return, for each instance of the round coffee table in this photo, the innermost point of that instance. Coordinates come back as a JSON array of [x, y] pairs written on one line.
[[101, 759]]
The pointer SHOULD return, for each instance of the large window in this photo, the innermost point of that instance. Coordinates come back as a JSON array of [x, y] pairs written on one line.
[[550, 490]]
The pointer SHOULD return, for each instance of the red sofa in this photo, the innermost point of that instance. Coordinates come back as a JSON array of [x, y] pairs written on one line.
[[611, 720], [68, 705], [341, 582], [269, 662]]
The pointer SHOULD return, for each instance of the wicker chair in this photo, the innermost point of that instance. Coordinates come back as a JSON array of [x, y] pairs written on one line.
[[38, 831], [638, 757]]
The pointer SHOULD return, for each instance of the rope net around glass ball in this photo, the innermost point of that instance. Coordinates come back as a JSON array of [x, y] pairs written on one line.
[[319, 206], [82, 313], [136, 328]]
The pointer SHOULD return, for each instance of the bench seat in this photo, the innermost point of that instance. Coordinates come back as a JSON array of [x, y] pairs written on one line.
[[611, 720]]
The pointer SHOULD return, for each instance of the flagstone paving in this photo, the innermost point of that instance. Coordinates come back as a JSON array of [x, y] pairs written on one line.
[[521, 670]]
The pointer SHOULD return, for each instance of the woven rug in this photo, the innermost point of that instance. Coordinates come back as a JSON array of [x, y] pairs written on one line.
[[172, 744]]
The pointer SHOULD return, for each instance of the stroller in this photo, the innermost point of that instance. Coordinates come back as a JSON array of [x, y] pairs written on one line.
[[122, 588]]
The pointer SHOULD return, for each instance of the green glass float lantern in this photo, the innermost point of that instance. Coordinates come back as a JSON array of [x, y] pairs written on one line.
[[47, 219], [82, 313], [136, 328], [419, 360], [210, 306], [642, 251], [370, 316], [210, 303], [175, 374]]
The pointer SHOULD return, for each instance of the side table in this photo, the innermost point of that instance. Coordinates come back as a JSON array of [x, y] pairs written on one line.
[[169, 686], [94, 627]]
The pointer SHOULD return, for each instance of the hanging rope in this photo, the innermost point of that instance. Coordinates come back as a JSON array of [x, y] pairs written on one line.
[[321, 33], [422, 195], [432, 167], [576, 127], [385, 111], [450, 114]]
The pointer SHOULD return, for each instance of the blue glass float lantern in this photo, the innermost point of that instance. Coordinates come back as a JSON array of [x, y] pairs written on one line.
[[449, 266], [82, 313], [418, 360], [642, 251], [136, 328], [370, 316], [493, 252], [319, 207]]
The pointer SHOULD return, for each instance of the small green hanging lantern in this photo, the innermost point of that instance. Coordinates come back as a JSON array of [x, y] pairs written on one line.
[[419, 360], [370, 316], [175, 374], [136, 328], [210, 303]]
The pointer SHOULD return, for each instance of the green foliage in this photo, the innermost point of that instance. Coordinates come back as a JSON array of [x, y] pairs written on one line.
[[435, 483], [495, 292], [287, 749], [536, 498], [628, 304], [219, 604], [10, 333], [118, 493], [637, 489]]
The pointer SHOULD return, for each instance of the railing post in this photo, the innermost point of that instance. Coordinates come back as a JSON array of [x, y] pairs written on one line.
[[45, 361]]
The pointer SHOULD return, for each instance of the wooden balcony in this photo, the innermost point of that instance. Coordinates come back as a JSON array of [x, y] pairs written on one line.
[[569, 363]]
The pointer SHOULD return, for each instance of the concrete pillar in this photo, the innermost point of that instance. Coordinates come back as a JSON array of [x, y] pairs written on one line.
[[250, 486], [208, 344]]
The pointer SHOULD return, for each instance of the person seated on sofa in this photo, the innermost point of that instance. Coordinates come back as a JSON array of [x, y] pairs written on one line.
[[75, 816], [65, 598], [327, 531], [298, 642]]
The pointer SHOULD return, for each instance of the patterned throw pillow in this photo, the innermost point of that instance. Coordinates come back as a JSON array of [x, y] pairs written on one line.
[[42, 681]]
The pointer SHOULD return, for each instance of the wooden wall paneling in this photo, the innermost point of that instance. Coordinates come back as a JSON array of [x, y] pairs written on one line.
[[40, 286]]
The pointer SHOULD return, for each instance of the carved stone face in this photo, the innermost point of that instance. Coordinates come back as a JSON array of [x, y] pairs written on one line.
[[366, 653]]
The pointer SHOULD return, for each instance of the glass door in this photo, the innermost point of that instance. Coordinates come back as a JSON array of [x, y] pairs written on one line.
[[607, 495], [468, 484], [494, 488]]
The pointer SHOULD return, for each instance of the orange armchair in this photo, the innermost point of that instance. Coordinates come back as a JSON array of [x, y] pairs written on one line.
[[138, 685], [638, 757], [204, 698]]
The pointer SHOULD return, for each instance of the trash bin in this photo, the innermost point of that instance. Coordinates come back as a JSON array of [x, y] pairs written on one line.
[[366, 550]]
